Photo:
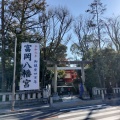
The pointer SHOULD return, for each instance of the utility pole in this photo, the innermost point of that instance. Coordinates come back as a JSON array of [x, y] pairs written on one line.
[[18, 31], [14, 76], [44, 46]]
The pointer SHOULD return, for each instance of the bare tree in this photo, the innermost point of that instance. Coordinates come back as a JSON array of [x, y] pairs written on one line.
[[55, 25], [85, 37], [113, 31]]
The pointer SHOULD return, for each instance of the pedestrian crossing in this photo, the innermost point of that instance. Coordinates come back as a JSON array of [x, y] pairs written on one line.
[[99, 112]]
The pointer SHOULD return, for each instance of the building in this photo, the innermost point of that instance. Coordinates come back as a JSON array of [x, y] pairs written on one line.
[[70, 76]]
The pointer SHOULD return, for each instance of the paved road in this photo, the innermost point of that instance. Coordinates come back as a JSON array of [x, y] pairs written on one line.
[[31, 115], [99, 112], [96, 112]]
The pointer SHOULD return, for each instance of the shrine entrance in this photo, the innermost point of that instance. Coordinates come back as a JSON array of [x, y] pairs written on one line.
[[55, 68]]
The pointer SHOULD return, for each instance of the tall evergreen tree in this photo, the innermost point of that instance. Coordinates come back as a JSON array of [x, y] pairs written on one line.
[[17, 14], [96, 10]]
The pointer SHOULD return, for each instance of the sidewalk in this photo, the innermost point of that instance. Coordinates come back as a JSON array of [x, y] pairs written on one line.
[[67, 102], [74, 101], [23, 109]]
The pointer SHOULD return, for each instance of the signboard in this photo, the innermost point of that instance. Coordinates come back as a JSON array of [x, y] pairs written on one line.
[[30, 56]]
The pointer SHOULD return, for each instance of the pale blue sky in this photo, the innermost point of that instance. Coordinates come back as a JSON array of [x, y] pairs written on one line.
[[77, 7]]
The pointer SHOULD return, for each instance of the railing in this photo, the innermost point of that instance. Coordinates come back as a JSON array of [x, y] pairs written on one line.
[[45, 93], [4, 97], [99, 91], [26, 95]]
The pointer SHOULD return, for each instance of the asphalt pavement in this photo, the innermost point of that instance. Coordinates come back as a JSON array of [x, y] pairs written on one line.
[[96, 112], [67, 102]]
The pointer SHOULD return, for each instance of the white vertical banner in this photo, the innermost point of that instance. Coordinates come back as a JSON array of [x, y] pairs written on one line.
[[30, 57]]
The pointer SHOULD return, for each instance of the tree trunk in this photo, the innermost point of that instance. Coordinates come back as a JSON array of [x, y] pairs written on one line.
[[3, 49]]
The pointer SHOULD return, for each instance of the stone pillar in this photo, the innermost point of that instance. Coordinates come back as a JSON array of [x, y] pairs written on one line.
[[39, 95], [10, 97], [83, 75], [51, 100], [55, 94], [28, 96], [3, 98], [17, 96], [55, 78], [98, 91], [34, 96], [105, 91], [49, 88], [23, 96], [113, 90], [102, 94]]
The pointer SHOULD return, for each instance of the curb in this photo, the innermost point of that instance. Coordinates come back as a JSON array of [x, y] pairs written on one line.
[[84, 103], [112, 101], [76, 103]]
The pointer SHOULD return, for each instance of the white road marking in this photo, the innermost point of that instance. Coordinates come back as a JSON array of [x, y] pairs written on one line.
[[117, 117], [13, 114], [71, 114], [86, 107], [95, 113]]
